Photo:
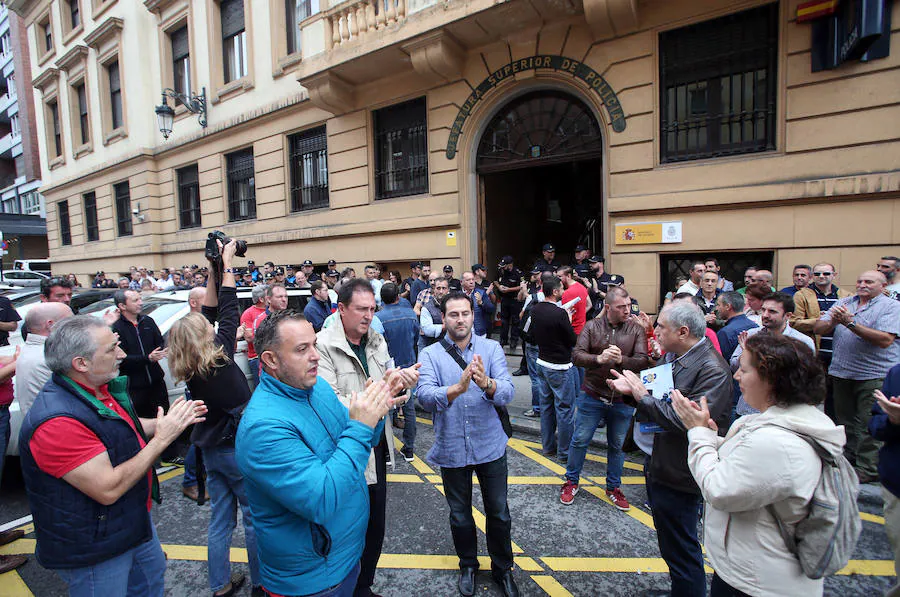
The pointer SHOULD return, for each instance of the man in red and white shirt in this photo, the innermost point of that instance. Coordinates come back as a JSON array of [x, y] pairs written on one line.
[[247, 318], [87, 461]]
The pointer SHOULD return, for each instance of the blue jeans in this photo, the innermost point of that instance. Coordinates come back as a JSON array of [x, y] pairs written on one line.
[[558, 390], [4, 436], [409, 421], [190, 468], [254, 370], [226, 491], [139, 572], [618, 418], [675, 516], [531, 356], [344, 589]]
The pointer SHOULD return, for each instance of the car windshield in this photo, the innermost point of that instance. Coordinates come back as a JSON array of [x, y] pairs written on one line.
[[27, 299], [158, 308]]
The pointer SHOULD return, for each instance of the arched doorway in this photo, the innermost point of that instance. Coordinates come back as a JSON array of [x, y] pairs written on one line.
[[539, 168]]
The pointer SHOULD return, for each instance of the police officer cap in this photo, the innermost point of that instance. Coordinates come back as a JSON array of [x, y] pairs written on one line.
[[332, 263], [548, 247], [279, 271], [99, 274], [448, 268], [536, 270], [597, 259], [307, 262], [580, 248], [477, 267], [249, 263], [506, 260], [616, 280]]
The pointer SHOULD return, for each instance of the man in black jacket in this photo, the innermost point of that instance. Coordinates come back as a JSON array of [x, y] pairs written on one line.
[[143, 345], [697, 370]]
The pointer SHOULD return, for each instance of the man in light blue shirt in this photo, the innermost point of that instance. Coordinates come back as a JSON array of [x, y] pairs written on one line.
[[462, 380]]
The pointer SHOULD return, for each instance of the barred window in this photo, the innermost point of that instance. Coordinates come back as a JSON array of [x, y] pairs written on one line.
[[123, 208], [92, 229], [309, 170], [181, 60], [241, 186], [65, 232], [718, 86], [401, 150], [189, 196]]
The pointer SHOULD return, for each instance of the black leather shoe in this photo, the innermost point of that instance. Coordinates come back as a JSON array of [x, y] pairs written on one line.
[[507, 584], [520, 372], [466, 582]]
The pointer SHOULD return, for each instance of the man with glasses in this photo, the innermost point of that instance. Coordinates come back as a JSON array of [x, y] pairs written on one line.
[[809, 304]]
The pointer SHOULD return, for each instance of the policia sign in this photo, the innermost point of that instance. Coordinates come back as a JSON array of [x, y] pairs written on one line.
[[577, 69]]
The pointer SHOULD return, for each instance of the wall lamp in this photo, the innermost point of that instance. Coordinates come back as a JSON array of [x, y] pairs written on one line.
[[165, 115]]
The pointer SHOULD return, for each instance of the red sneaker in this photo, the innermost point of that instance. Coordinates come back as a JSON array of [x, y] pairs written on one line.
[[618, 499], [567, 493]]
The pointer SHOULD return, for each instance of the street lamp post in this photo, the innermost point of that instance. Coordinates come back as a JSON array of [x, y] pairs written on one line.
[[165, 115]]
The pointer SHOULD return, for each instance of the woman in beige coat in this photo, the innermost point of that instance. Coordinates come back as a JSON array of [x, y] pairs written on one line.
[[761, 462]]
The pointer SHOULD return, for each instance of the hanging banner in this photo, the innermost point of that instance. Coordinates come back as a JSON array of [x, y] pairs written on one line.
[[577, 69]]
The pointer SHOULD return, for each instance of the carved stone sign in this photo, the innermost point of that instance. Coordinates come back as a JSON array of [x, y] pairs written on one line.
[[576, 68]]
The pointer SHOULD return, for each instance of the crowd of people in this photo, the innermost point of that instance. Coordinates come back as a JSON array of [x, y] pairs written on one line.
[[741, 401]]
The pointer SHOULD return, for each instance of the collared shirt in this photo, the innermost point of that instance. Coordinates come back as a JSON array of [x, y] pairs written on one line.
[[826, 302], [468, 431], [854, 358], [424, 296], [689, 287]]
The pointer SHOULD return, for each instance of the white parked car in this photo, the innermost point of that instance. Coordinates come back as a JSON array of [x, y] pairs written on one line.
[[165, 308], [14, 277]]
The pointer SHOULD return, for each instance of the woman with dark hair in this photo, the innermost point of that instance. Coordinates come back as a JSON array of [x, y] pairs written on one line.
[[204, 359], [761, 462]]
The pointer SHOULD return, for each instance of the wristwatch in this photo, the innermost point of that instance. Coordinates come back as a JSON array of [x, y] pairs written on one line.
[[851, 325], [490, 384], [230, 270]]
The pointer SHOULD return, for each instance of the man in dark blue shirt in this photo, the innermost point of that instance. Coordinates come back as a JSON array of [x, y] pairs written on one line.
[[319, 306], [730, 309], [401, 331], [802, 279]]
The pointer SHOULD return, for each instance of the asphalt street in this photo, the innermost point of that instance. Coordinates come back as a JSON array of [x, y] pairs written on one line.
[[586, 549]]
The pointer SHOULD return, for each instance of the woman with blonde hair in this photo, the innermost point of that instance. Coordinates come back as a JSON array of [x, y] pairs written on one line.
[[204, 359]]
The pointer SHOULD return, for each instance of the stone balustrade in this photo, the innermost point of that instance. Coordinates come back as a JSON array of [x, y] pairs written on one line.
[[348, 21]]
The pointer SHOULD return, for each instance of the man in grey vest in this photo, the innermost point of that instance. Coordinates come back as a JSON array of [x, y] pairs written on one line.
[[431, 322]]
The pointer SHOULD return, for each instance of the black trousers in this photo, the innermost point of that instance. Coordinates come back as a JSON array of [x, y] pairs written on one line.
[[146, 400], [720, 588], [458, 488], [509, 320], [375, 531]]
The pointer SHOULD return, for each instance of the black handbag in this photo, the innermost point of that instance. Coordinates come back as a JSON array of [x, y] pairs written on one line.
[[501, 410]]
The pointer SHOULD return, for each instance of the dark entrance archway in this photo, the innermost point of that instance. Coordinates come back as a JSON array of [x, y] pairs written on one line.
[[540, 177]]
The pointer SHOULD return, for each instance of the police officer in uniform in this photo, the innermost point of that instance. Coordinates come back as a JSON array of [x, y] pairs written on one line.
[[548, 262], [307, 268], [452, 282], [509, 282], [580, 263]]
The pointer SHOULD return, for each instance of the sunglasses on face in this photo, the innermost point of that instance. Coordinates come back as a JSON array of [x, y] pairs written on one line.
[[823, 273]]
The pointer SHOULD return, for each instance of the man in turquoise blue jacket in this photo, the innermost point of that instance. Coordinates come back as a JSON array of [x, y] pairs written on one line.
[[303, 456]]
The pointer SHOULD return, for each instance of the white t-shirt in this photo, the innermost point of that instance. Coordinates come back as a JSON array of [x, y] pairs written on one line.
[[688, 286]]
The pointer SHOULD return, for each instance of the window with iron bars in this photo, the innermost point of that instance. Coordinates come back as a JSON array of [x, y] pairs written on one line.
[[65, 231], [309, 170], [401, 150], [718, 86], [189, 196], [241, 186], [122, 196], [92, 229]]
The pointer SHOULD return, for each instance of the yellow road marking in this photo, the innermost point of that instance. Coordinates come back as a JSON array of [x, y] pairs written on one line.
[[534, 480], [171, 474], [589, 456], [521, 447], [635, 513], [871, 518], [481, 521], [417, 462], [19, 547], [424, 421], [26, 528], [12, 585], [436, 479], [550, 585], [403, 478], [197, 553], [629, 480], [868, 568], [608, 565]]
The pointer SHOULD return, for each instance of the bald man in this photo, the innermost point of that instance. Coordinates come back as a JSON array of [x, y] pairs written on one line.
[[31, 369], [195, 298], [865, 327], [764, 279]]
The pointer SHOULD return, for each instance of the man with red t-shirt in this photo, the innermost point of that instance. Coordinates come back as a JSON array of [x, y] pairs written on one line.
[[247, 318], [572, 290], [87, 460]]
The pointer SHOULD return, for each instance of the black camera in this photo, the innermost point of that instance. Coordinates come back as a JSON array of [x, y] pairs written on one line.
[[212, 248]]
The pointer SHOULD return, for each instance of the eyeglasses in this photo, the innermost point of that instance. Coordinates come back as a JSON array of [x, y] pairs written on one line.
[[823, 273]]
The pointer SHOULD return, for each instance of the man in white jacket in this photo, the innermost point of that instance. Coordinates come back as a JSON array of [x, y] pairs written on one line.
[[31, 368]]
